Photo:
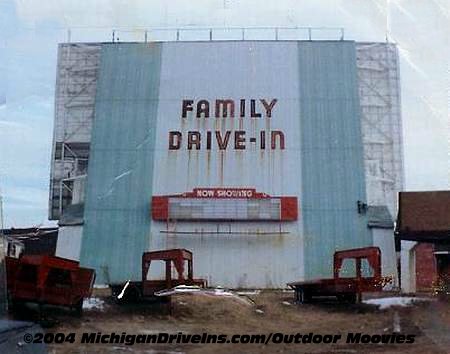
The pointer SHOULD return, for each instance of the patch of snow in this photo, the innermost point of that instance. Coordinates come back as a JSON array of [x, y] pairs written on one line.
[[387, 302], [93, 303], [227, 293], [101, 286], [180, 289], [254, 292], [221, 292], [186, 288]]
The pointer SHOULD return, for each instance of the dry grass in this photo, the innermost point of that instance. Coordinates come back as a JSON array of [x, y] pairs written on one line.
[[228, 315]]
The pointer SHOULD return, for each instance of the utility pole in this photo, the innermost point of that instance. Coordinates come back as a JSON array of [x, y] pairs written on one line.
[[3, 284], [1, 212]]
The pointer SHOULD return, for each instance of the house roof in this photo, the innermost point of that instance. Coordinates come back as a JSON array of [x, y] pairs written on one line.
[[36, 240], [424, 216]]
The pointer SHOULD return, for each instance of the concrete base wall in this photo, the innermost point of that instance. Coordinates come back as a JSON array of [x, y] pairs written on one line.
[[408, 266], [384, 239]]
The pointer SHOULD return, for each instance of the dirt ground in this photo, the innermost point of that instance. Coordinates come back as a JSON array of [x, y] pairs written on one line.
[[257, 314]]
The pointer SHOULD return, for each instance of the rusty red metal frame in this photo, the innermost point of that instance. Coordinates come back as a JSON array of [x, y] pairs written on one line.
[[175, 257], [345, 288], [372, 254], [38, 290]]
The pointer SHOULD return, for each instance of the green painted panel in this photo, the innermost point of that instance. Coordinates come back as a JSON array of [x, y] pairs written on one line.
[[119, 185], [332, 154]]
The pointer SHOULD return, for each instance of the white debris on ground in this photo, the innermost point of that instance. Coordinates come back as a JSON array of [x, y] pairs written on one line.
[[93, 303], [180, 289], [221, 292], [259, 311], [196, 290], [387, 302], [286, 303], [191, 289]]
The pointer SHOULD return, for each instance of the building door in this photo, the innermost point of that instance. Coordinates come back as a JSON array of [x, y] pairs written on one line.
[[443, 268]]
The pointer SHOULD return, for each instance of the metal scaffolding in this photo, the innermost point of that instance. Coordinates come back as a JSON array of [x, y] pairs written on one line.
[[379, 91], [74, 112]]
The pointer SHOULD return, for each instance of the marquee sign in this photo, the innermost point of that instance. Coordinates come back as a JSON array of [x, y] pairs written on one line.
[[231, 204], [225, 193]]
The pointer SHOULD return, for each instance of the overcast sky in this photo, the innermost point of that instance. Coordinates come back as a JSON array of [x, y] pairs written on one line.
[[30, 31]]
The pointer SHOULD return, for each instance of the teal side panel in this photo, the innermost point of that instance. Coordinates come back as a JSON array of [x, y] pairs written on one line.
[[120, 173], [332, 154]]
